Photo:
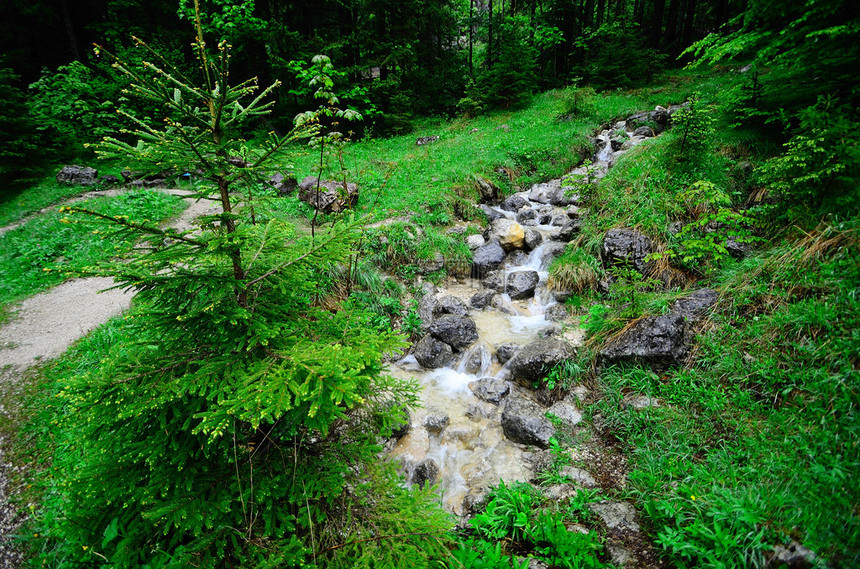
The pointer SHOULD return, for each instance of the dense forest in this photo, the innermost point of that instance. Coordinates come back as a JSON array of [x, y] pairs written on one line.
[[662, 193]]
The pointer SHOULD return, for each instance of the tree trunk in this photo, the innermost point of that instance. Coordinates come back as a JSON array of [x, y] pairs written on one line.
[[657, 23], [70, 30]]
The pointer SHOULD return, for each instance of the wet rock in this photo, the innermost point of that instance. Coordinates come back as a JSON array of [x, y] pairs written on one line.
[[425, 140], [524, 422], [626, 246], [552, 251], [569, 230], [696, 304], [432, 353], [73, 174], [494, 281], [491, 213], [793, 556], [490, 389], [284, 185], [482, 299], [656, 341], [658, 119], [432, 306], [532, 239], [503, 304], [129, 176], [514, 203], [527, 216], [506, 351], [475, 241], [559, 492], [487, 258], [516, 258], [556, 313], [475, 359], [480, 411], [330, 197], [644, 131], [616, 515], [457, 331], [574, 212], [475, 500], [427, 472], [532, 363], [559, 219], [617, 142], [546, 192], [436, 421], [409, 363], [509, 234], [566, 412], [109, 180], [521, 284]]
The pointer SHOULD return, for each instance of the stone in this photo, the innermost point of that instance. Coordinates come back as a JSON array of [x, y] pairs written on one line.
[[432, 306], [408, 363], [579, 476], [526, 216], [427, 472], [488, 190], [521, 284], [793, 556], [432, 353], [695, 305], [516, 258], [737, 249], [566, 412], [617, 142], [506, 351], [556, 313], [330, 197], [475, 241], [436, 421], [559, 220], [514, 203], [480, 411], [552, 251], [109, 180], [82, 175], [657, 119], [547, 192], [509, 234], [616, 515], [532, 239], [284, 185], [656, 341], [457, 331], [490, 389], [491, 213], [482, 299], [487, 258], [523, 421], [129, 176], [644, 131], [425, 140], [626, 246], [427, 266], [639, 402], [494, 281], [531, 364], [619, 555], [569, 230]]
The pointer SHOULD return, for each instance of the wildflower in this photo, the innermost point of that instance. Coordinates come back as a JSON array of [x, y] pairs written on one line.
[[693, 497]]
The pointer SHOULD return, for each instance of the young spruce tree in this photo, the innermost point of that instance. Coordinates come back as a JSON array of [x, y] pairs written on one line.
[[233, 423]]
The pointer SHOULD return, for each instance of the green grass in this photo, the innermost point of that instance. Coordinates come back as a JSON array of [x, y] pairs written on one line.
[[43, 251], [44, 193]]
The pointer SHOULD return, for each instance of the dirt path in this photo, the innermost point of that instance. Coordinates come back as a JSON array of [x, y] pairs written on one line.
[[43, 327]]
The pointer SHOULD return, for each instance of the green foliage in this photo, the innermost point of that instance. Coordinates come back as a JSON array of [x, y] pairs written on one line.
[[509, 77], [47, 249], [614, 55], [694, 125], [18, 141]]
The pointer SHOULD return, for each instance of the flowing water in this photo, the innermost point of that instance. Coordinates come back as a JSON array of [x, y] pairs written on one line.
[[467, 453]]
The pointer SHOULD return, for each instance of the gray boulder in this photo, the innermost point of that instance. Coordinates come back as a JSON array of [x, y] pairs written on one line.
[[644, 131], [82, 175], [432, 353], [566, 412], [514, 203], [523, 421], [283, 185], [552, 251], [487, 258], [492, 214], [494, 281], [556, 313], [506, 351], [509, 234], [516, 258], [532, 363], [427, 472], [109, 180], [475, 241], [436, 422], [626, 246], [425, 140], [569, 230], [489, 191], [696, 304], [532, 239], [521, 284], [616, 515], [482, 299], [330, 196], [456, 331], [526, 216], [490, 389], [656, 341], [433, 306]]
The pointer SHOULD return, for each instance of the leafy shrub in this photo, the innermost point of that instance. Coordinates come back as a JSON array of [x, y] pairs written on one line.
[[18, 142]]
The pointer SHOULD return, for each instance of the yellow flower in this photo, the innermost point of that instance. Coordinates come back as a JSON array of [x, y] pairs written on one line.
[[693, 497]]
